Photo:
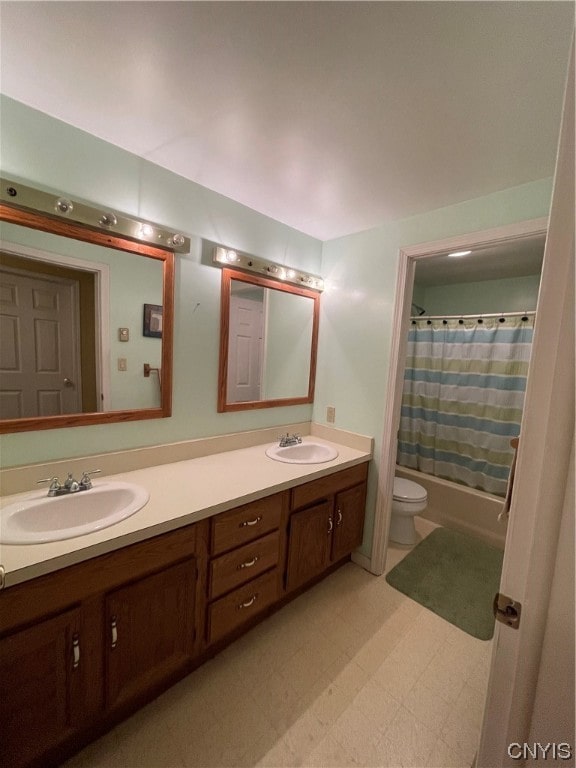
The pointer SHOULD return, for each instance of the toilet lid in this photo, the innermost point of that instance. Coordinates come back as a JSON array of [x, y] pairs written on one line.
[[407, 490]]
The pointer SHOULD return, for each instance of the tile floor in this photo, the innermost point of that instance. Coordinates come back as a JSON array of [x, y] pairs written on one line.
[[352, 673]]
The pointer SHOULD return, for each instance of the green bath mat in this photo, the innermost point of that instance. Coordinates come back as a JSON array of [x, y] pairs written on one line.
[[454, 575]]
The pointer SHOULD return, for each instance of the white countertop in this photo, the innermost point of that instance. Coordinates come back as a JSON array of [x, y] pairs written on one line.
[[180, 494]]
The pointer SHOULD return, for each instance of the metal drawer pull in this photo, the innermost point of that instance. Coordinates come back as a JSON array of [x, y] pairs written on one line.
[[114, 632], [248, 603], [75, 650], [330, 524], [339, 521], [249, 563], [251, 522]]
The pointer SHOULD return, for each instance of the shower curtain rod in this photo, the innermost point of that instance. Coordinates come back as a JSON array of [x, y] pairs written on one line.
[[469, 317]]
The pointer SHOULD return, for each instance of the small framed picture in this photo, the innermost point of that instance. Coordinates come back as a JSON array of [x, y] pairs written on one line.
[[153, 320]]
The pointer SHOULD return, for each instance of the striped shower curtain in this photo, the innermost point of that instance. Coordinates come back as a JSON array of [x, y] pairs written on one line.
[[462, 399]]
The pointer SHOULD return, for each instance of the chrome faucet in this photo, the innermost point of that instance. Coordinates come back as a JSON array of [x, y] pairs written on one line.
[[286, 440], [70, 485]]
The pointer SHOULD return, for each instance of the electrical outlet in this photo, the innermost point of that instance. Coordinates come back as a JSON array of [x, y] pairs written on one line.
[[122, 365], [330, 414]]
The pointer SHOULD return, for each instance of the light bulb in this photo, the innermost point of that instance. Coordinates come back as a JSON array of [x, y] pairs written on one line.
[[108, 220], [460, 253], [63, 205]]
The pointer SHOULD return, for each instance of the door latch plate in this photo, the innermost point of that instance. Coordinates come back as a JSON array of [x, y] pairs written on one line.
[[507, 611]]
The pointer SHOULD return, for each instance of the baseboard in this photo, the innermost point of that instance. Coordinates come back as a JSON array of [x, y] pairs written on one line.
[[362, 561]]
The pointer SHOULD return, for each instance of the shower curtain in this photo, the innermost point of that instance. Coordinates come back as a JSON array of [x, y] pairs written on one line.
[[462, 400]]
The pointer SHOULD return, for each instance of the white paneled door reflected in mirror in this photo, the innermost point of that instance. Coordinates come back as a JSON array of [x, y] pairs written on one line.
[[268, 341]]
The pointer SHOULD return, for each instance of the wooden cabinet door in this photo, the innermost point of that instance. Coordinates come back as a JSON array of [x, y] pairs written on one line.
[[349, 510], [309, 544], [149, 632], [40, 687]]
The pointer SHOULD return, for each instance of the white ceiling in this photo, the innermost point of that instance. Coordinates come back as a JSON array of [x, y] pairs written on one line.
[[332, 117], [516, 258]]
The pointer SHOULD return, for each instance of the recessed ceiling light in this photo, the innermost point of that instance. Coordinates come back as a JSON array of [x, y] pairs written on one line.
[[460, 253]]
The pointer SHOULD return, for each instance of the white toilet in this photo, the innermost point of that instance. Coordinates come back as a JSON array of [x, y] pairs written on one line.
[[408, 500]]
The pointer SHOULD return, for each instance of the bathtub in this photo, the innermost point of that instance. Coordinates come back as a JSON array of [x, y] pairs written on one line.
[[456, 506]]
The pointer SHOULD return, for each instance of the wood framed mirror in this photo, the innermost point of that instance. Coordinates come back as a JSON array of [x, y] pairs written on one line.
[[268, 343], [109, 383]]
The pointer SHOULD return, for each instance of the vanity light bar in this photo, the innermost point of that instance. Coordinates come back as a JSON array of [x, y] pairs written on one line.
[[228, 257], [19, 195]]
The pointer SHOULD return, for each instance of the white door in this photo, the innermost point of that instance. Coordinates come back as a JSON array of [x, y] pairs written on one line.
[[245, 350], [542, 476], [39, 356]]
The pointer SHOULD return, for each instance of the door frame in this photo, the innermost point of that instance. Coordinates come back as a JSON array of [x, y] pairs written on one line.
[[101, 272], [408, 258]]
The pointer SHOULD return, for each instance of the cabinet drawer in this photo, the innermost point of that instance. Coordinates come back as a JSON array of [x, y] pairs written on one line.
[[320, 489], [242, 564], [239, 606], [246, 523]]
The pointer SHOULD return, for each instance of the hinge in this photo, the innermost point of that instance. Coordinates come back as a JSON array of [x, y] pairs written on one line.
[[507, 611]]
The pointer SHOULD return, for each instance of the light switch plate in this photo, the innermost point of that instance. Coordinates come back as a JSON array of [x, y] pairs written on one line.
[[123, 334], [122, 365]]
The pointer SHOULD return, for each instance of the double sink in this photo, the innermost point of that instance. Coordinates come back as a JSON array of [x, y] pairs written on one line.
[[37, 518]]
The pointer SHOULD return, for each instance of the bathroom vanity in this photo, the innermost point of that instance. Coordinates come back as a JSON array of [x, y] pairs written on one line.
[[87, 644]]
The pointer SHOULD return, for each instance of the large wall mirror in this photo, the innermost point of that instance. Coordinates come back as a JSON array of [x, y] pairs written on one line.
[[268, 343], [82, 312]]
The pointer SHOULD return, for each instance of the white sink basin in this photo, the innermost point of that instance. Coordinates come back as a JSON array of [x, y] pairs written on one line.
[[38, 519], [303, 453]]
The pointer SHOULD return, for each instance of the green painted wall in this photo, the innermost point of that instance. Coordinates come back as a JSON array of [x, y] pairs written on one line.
[[418, 295], [47, 153], [511, 294], [357, 306]]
